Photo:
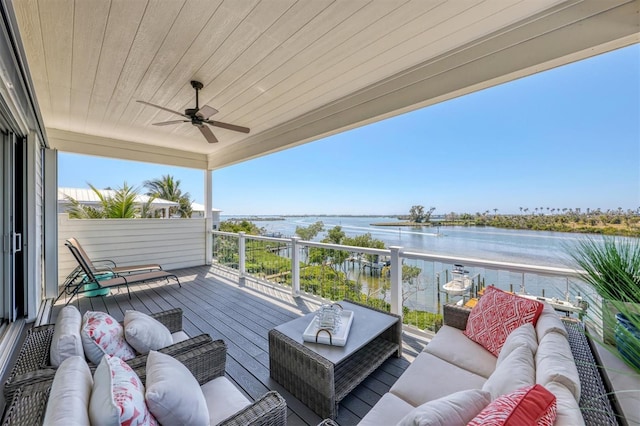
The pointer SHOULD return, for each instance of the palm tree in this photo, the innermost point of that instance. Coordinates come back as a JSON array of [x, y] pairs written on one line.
[[122, 204], [168, 188]]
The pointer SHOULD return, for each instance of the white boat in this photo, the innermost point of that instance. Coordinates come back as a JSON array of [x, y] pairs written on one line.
[[460, 284], [457, 287], [559, 304]]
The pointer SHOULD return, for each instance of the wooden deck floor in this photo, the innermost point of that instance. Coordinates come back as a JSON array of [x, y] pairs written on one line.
[[214, 303]]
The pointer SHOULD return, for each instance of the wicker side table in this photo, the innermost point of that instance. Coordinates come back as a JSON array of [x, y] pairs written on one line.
[[322, 375]]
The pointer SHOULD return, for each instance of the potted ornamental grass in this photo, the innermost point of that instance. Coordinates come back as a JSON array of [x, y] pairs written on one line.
[[611, 266]]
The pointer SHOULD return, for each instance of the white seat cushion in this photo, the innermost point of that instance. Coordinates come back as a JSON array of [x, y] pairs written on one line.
[[429, 377], [145, 333], [66, 341], [451, 345], [179, 336], [223, 399], [389, 410], [555, 363], [567, 409], [70, 393]]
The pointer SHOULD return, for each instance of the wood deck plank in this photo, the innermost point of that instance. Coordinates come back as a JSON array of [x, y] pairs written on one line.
[[242, 315]]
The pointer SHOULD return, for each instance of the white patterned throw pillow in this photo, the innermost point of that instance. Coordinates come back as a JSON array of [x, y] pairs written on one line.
[[118, 396], [102, 334]]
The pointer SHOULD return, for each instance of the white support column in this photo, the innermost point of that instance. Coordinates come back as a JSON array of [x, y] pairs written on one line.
[[208, 222], [396, 281], [242, 256], [295, 267]]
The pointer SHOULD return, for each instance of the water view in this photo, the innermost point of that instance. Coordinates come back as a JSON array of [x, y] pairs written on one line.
[[506, 245]]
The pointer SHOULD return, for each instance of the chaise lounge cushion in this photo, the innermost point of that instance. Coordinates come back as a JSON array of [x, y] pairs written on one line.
[[451, 345], [66, 341], [429, 377], [173, 395], [497, 314], [70, 392], [459, 408], [118, 395], [102, 334], [145, 333], [531, 405]]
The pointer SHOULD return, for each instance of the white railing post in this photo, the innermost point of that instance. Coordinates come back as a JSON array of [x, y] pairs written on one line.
[[295, 267], [396, 280], [241, 254]]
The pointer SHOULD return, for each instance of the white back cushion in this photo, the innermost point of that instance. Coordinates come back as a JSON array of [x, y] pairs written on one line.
[[173, 395], [555, 363], [514, 372], [549, 321], [70, 392], [525, 335], [66, 341]]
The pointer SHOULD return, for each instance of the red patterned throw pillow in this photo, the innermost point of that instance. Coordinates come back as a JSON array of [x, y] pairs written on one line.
[[497, 314], [528, 406]]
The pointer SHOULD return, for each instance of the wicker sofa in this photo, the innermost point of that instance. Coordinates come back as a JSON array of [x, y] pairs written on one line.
[[33, 361], [451, 362], [206, 363]]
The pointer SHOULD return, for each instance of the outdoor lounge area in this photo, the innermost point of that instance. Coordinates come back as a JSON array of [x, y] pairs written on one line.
[[242, 317], [214, 303], [103, 78]]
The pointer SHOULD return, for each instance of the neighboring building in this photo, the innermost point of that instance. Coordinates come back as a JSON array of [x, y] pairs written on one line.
[[198, 211], [87, 196]]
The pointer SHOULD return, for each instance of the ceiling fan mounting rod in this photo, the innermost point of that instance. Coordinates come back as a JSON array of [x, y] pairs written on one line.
[[196, 85]]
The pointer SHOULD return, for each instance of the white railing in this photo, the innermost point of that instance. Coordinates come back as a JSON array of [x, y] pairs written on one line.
[[407, 283]]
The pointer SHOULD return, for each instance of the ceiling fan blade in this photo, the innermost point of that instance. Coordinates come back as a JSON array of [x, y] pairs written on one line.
[[206, 111], [228, 126], [166, 123], [208, 134], [163, 108]]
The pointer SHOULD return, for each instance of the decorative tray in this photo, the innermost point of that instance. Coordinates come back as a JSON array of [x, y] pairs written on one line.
[[338, 338]]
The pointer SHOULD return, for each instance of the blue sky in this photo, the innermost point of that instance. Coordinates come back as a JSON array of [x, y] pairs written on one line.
[[568, 137]]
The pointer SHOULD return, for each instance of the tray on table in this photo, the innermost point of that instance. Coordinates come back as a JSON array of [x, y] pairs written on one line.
[[315, 334]]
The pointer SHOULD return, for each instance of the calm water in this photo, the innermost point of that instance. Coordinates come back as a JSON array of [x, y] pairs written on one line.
[[518, 246]]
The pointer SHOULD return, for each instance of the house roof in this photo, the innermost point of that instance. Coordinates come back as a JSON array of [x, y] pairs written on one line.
[[88, 196], [200, 208], [291, 71]]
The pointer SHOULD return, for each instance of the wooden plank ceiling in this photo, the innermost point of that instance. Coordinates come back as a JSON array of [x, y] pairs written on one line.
[[292, 71]]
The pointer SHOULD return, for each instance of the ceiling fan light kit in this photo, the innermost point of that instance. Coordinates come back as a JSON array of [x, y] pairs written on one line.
[[198, 117]]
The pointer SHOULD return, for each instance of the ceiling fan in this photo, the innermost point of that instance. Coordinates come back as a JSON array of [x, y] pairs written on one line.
[[199, 117]]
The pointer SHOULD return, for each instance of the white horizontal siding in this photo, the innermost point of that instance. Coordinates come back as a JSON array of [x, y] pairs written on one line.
[[173, 243]]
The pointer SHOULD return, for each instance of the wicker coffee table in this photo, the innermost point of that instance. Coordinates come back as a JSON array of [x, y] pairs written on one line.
[[322, 375]]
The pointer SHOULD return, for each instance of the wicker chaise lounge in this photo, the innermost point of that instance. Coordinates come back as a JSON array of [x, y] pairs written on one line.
[[205, 362], [33, 361]]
